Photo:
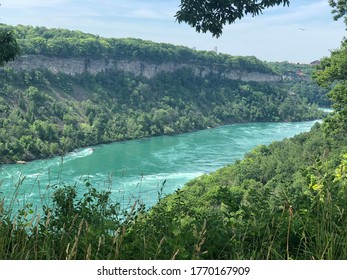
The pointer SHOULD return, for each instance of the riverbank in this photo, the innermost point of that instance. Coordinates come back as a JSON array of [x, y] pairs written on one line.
[[139, 167]]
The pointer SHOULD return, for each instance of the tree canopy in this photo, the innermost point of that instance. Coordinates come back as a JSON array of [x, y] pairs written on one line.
[[64, 43], [332, 73], [9, 48], [213, 15], [339, 9]]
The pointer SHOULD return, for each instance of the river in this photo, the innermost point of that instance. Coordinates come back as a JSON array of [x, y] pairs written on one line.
[[138, 168]]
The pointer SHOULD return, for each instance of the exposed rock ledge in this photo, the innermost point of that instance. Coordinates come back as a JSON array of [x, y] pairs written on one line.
[[74, 66]]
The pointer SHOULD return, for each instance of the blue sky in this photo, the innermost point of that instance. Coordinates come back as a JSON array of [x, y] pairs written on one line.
[[274, 36]]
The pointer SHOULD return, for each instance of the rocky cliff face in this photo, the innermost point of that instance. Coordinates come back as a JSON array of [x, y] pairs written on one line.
[[73, 66]]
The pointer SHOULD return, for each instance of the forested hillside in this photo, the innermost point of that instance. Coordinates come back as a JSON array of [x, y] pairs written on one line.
[[297, 79], [287, 200], [282, 201], [45, 113], [64, 43]]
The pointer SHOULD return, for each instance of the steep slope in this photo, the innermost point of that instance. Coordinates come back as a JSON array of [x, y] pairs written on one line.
[[282, 201]]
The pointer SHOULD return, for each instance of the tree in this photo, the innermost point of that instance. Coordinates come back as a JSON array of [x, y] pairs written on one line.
[[212, 15], [332, 72], [9, 48], [339, 9]]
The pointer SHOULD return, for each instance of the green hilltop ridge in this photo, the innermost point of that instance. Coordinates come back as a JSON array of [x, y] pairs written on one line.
[[64, 43], [71, 89]]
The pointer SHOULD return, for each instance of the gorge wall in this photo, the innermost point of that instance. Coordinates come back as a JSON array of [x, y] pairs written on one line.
[[74, 66]]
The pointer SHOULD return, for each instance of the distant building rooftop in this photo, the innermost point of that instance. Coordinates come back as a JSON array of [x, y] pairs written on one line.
[[316, 62]]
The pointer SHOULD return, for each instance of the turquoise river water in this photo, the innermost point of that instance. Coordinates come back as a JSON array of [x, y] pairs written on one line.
[[138, 168]]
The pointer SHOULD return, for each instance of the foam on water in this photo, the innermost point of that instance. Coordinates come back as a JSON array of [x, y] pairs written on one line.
[[78, 154]]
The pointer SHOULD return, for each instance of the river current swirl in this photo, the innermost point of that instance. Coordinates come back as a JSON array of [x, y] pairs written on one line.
[[138, 168]]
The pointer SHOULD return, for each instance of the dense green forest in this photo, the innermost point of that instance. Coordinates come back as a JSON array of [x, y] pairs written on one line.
[[44, 114], [64, 43], [297, 79], [282, 201]]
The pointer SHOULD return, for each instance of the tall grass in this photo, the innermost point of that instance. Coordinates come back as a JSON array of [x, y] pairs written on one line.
[[92, 226]]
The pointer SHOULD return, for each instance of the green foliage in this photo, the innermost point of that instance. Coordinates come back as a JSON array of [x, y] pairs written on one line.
[[74, 226], [333, 68], [282, 201], [297, 79], [268, 206], [339, 9], [332, 73], [213, 15], [45, 114], [64, 43], [9, 48]]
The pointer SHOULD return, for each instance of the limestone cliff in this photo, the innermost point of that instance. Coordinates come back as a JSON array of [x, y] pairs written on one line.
[[73, 66]]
